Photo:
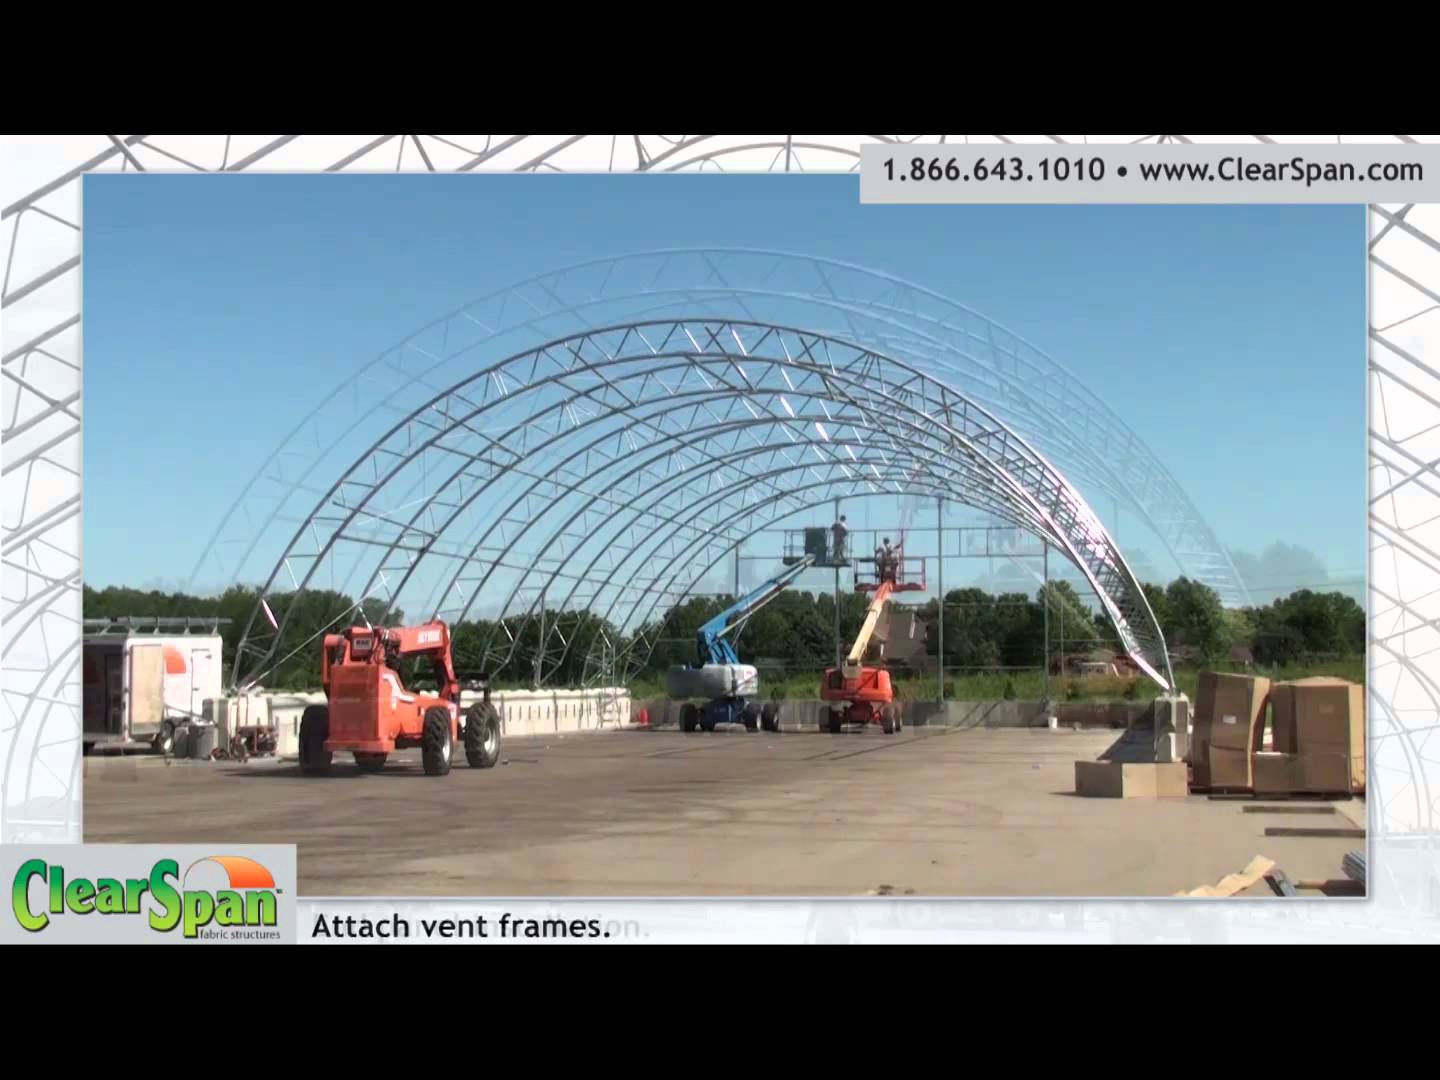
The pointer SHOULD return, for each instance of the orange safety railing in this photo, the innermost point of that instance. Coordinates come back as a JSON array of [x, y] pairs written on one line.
[[909, 574]]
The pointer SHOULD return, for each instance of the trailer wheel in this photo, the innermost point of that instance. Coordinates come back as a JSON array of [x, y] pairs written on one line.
[[482, 737], [887, 722], [164, 742], [436, 745], [770, 717], [689, 718], [370, 763], [314, 730]]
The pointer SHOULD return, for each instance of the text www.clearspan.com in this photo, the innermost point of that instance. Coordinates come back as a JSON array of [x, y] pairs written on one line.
[[1296, 170]]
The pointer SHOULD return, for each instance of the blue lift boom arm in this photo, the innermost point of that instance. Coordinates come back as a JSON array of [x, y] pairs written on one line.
[[711, 643]]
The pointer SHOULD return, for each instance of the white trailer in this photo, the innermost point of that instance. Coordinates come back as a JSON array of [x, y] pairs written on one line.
[[139, 686]]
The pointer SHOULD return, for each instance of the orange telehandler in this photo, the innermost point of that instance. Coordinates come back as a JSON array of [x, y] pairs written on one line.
[[371, 714]]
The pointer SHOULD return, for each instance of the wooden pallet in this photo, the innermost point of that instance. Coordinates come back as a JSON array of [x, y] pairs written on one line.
[[1317, 834], [1234, 795], [1319, 811]]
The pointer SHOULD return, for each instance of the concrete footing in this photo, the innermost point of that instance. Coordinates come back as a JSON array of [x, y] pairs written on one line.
[[1172, 728]]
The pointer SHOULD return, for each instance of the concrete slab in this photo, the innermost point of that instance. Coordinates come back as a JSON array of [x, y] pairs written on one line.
[[657, 813]]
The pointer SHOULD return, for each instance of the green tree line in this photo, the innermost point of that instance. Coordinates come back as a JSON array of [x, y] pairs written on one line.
[[796, 632]]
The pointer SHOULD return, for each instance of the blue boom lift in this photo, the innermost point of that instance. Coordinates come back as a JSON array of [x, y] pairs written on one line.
[[719, 676]]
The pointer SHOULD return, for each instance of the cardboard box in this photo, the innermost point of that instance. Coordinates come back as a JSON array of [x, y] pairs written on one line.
[[1229, 769], [1292, 774], [1325, 773], [1323, 717], [1230, 711], [1282, 719], [1115, 780]]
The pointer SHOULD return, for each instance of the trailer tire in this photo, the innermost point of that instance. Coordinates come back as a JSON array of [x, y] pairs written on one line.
[[482, 737], [164, 742], [437, 747], [770, 717], [314, 730], [370, 763], [689, 718], [887, 722]]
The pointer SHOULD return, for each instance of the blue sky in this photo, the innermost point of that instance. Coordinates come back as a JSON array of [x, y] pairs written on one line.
[[220, 309]]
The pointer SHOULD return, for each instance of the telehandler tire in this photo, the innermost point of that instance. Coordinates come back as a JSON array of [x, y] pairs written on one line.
[[437, 748], [314, 730], [482, 737]]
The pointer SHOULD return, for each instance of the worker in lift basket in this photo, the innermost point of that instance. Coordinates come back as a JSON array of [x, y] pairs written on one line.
[[885, 566], [839, 531]]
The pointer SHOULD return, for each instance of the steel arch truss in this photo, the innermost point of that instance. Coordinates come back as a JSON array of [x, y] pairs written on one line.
[[609, 471], [1051, 408]]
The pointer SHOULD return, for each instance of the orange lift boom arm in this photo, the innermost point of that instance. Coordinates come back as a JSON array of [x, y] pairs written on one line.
[[855, 661]]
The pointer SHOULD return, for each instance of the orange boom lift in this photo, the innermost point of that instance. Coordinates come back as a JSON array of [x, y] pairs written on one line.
[[863, 695], [371, 714]]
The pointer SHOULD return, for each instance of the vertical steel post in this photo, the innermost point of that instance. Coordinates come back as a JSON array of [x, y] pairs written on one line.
[[838, 653], [1046, 605], [1061, 606], [540, 649], [940, 532]]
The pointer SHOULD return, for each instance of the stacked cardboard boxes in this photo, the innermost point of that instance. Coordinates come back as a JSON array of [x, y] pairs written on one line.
[[1229, 724], [1319, 739]]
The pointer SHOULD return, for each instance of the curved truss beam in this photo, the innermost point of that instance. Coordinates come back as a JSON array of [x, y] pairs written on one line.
[[692, 536], [764, 465], [1047, 405], [702, 557], [675, 436], [499, 424]]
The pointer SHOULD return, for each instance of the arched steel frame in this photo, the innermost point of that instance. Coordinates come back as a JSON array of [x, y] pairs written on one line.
[[596, 437], [1052, 409]]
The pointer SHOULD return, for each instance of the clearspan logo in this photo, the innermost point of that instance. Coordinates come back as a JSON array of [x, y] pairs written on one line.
[[215, 897]]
